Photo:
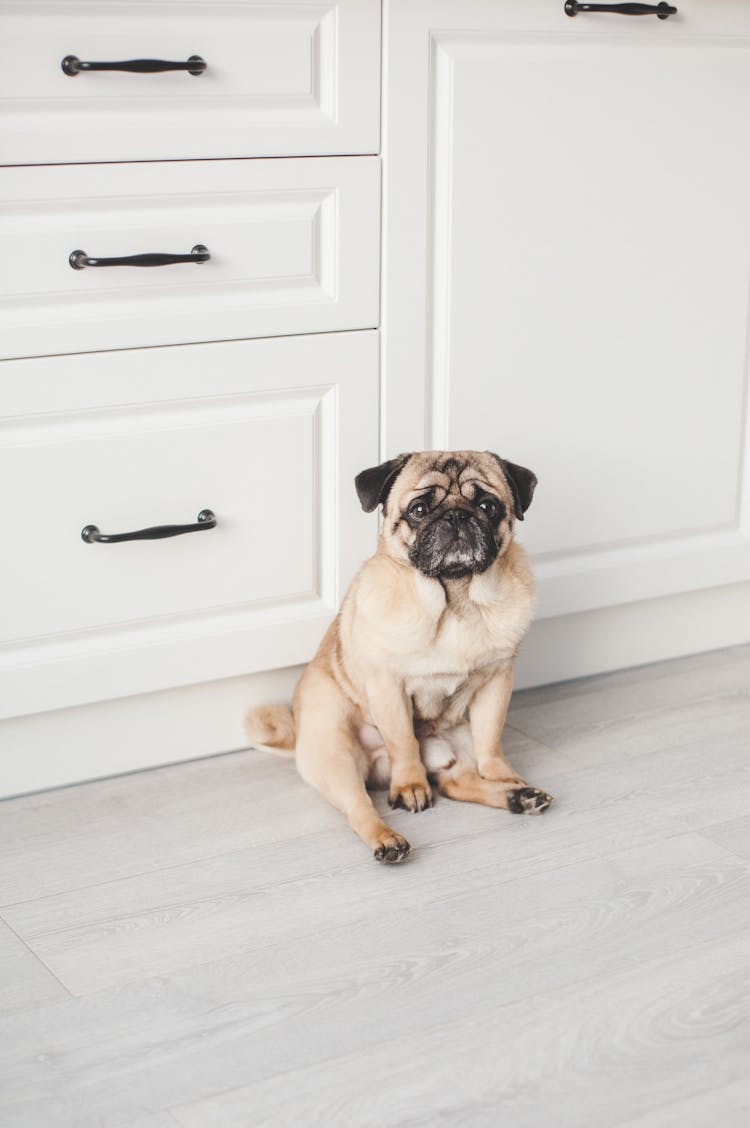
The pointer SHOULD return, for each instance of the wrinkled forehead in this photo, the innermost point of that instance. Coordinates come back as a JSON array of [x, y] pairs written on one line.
[[460, 472]]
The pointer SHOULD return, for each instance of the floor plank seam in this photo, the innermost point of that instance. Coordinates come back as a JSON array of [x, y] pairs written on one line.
[[701, 833], [37, 957]]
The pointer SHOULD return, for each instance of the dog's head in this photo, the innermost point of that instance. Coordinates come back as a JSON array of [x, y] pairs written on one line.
[[448, 513]]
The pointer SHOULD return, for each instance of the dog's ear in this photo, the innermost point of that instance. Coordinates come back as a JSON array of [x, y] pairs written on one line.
[[374, 485], [522, 484]]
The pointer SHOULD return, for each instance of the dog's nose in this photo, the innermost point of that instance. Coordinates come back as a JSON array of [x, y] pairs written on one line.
[[456, 517]]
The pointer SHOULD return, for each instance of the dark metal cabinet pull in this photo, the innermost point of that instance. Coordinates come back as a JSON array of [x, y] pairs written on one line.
[[206, 520], [195, 65], [79, 259], [661, 11]]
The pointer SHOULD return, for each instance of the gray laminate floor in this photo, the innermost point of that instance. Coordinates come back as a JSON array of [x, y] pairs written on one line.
[[208, 946]]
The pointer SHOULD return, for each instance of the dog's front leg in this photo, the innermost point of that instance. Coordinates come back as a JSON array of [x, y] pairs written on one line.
[[487, 713], [391, 713]]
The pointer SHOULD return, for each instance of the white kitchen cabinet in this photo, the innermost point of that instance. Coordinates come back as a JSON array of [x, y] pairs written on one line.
[[567, 269], [226, 362]]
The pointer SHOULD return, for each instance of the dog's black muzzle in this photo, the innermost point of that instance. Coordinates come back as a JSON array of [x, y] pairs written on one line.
[[455, 543]]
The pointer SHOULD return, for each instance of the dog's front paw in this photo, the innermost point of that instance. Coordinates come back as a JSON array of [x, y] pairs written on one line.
[[411, 796], [528, 801], [391, 849]]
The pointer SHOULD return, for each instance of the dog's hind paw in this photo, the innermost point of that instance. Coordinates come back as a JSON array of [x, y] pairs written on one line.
[[528, 801]]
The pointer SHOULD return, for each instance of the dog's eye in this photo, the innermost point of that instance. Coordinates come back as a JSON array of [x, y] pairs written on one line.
[[418, 510], [489, 506]]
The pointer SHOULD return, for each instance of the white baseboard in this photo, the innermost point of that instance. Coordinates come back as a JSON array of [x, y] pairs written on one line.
[[632, 634], [70, 745]]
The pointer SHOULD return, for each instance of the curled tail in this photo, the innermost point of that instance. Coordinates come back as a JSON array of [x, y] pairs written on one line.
[[271, 728]]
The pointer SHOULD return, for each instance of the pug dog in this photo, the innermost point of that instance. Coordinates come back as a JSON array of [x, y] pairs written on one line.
[[410, 687]]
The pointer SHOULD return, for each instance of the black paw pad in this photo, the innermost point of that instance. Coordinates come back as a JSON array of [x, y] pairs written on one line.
[[393, 851], [528, 801]]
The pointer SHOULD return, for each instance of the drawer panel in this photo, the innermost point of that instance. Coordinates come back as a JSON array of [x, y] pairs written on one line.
[[293, 244], [292, 78], [268, 434]]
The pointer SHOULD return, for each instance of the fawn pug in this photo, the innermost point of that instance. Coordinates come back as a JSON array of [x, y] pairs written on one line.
[[411, 684]]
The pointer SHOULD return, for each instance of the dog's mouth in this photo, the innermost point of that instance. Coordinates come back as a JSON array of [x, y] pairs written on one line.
[[451, 548]]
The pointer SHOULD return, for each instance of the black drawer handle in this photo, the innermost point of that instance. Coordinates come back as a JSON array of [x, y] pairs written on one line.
[[206, 520], [79, 259], [661, 11], [195, 65]]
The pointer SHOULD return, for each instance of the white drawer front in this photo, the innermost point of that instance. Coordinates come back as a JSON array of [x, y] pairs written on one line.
[[294, 248], [291, 78], [268, 434]]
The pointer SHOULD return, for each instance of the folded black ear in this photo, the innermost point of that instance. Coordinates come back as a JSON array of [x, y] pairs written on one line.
[[522, 483], [374, 485]]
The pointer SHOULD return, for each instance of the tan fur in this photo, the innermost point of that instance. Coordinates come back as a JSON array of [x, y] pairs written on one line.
[[404, 661], [272, 727]]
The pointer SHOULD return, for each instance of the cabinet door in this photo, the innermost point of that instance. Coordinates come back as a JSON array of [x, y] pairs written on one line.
[[267, 434], [575, 194]]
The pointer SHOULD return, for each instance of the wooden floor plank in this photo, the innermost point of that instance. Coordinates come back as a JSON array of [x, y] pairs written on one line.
[[612, 738], [669, 680], [734, 835], [151, 1120], [79, 836], [727, 1106], [24, 980], [585, 1057]]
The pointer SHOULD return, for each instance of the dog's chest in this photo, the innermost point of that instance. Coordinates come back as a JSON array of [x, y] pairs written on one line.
[[463, 654], [460, 642]]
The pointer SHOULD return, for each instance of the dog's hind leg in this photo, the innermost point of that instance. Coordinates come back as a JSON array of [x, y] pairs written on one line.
[[463, 782], [330, 758]]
